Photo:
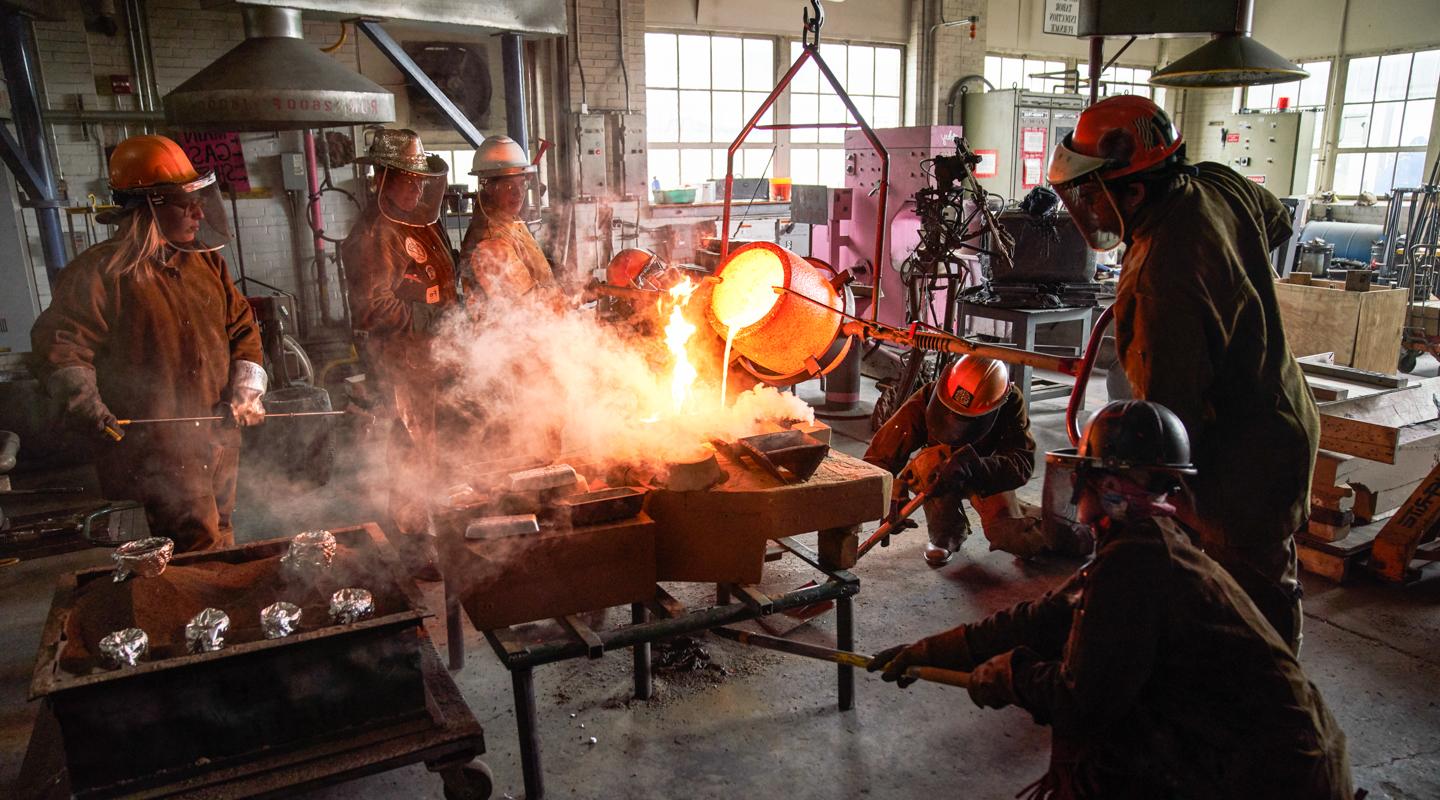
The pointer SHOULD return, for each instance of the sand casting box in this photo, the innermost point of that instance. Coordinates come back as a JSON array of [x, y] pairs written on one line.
[[161, 606]]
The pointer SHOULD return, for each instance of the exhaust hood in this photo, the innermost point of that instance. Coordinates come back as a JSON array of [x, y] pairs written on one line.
[[275, 80]]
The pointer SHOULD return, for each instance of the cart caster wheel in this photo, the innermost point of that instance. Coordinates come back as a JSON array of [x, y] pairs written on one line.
[[1408, 360], [470, 782]]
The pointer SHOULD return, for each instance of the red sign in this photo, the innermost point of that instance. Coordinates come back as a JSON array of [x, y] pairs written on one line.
[[1256, 178], [1232, 138], [220, 152], [989, 165]]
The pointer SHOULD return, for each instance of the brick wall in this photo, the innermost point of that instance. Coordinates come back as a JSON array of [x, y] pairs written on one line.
[[952, 53], [597, 79]]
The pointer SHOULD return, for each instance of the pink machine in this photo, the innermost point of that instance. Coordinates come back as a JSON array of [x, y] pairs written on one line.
[[908, 147]]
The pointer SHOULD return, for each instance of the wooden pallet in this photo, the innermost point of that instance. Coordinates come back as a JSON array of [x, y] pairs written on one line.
[[1341, 560]]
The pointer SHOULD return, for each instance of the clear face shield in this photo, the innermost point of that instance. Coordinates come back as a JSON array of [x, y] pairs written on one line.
[[507, 195], [1076, 178], [409, 199], [191, 216]]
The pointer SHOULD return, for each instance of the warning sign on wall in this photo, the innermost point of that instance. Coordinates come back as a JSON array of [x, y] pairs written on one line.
[[220, 152], [989, 163], [1032, 171], [1032, 141], [1062, 17]]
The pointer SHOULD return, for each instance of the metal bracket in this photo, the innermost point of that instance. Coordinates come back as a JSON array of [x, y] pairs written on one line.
[[810, 34], [25, 174], [411, 70]]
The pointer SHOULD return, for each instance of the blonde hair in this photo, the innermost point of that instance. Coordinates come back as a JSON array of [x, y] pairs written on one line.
[[138, 239]]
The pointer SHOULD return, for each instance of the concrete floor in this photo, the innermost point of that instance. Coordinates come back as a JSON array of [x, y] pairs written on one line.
[[768, 727]]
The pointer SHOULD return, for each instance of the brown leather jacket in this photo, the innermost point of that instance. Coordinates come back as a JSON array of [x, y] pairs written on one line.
[[1006, 452], [1152, 662], [1198, 330]]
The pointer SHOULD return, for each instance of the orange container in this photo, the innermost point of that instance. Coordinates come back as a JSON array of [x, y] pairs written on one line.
[[780, 189]]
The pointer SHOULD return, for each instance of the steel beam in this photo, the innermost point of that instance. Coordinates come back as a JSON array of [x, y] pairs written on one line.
[[22, 76], [411, 70]]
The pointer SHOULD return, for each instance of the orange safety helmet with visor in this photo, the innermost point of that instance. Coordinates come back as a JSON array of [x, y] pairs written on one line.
[[967, 394], [154, 171], [1115, 138]]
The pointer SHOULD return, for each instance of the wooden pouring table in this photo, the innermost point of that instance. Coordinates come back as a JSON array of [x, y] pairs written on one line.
[[716, 535]]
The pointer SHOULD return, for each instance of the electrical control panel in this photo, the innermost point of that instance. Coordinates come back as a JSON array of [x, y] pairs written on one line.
[[1271, 148], [594, 156]]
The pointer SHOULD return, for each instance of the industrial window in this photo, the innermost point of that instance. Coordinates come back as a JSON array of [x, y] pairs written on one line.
[[700, 90], [1385, 118], [871, 75], [1123, 80], [1006, 72], [1309, 94]]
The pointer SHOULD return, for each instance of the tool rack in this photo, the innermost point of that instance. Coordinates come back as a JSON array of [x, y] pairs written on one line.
[[663, 617]]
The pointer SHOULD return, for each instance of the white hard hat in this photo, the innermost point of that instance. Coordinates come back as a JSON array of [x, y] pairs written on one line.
[[498, 156]]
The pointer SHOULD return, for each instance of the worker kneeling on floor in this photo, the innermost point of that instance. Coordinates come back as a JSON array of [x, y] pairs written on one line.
[[973, 437], [1157, 674]]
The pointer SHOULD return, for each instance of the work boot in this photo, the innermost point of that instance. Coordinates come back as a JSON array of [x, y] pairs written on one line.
[[1019, 536], [948, 527]]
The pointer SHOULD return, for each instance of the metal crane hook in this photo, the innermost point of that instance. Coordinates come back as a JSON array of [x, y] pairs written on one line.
[[812, 24]]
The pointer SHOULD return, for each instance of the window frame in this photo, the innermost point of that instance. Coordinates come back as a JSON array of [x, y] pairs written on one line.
[[781, 142], [1338, 104]]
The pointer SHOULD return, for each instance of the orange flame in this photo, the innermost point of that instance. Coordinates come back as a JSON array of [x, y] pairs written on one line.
[[677, 335]]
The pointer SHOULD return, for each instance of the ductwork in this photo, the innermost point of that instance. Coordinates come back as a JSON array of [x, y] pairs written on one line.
[[275, 80]]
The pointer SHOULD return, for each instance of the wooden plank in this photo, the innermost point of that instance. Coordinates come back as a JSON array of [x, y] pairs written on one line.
[[1325, 364], [1377, 339], [1370, 427], [1318, 319]]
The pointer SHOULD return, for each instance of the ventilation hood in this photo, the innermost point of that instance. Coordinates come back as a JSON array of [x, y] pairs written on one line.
[[1231, 58], [275, 80]]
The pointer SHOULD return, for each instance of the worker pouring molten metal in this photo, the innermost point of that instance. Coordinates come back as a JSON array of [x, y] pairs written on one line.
[[1198, 329], [1156, 673], [973, 436], [402, 280], [148, 324], [499, 259]]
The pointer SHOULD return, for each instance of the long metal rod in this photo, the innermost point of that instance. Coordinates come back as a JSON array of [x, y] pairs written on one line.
[[411, 70], [949, 677], [217, 417], [21, 65]]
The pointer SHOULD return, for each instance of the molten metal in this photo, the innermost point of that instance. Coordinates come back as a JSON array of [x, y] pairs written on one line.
[[677, 335]]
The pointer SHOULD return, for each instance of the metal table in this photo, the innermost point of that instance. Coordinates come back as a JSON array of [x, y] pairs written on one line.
[[670, 618], [1024, 322], [447, 742]]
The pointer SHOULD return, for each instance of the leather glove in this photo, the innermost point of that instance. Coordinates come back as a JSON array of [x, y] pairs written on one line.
[[247, 385], [75, 390], [949, 650], [992, 683]]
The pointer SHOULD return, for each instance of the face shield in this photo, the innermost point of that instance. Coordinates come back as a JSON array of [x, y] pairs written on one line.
[[1076, 178], [507, 195], [956, 429], [409, 199], [191, 216]]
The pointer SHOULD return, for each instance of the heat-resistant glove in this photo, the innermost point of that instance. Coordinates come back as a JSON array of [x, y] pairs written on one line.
[[247, 386], [75, 390], [992, 683], [948, 650]]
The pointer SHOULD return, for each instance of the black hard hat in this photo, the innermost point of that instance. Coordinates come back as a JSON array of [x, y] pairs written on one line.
[[1136, 434]]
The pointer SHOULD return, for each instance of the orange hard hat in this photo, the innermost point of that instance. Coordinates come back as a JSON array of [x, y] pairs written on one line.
[[1117, 136], [973, 386], [141, 162]]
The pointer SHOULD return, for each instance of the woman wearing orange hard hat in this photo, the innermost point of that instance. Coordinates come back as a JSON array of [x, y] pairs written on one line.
[[148, 324], [1198, 330]]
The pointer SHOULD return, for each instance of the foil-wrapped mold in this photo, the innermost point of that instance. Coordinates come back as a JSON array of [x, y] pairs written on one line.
[[146, 557], [279, 620], [311, 551], [124, 647], [205, 633], [351, 605]]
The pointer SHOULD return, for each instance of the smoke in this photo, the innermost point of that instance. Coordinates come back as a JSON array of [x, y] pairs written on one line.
[[540, 380]]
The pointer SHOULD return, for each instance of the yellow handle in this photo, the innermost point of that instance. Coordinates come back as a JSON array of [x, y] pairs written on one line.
[[949, 677]]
